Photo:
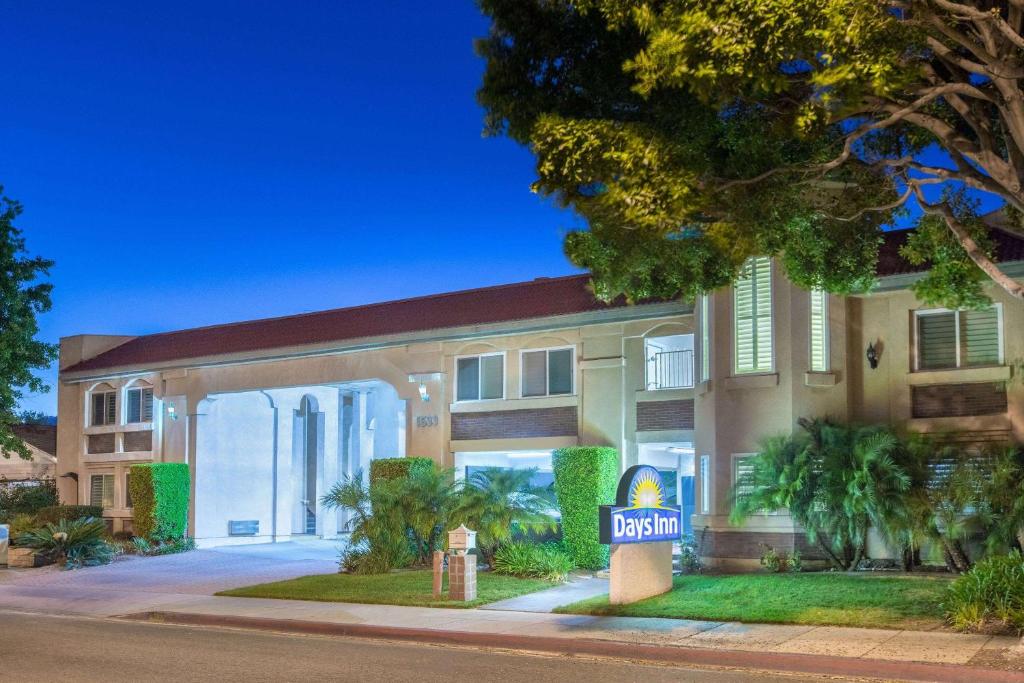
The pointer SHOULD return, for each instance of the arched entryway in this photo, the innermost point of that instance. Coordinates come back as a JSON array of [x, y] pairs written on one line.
[[308, 443]]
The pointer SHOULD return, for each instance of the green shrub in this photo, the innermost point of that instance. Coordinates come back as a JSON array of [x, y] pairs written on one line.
[[991, 594], [27, 500], [21, 524], [56, 513], [160, 493], [585, 477], [76, 542], [689, 556], [529, 560], [397, 468]]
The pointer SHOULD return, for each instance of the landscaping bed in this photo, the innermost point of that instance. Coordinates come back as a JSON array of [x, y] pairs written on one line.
[[824, 599], [408, 587]]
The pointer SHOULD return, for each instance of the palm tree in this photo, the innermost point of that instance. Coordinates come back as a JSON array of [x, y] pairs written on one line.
[[498, 503]]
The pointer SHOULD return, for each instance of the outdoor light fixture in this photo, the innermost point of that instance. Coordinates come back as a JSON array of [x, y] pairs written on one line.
[[421, 378], [872, 356], [171, 412]]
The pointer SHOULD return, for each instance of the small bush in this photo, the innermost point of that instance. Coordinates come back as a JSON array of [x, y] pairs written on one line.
[[585, 477], [775, 562], [160, 493], [531, 561], [18, 499], [689, 556], [56, 513], [989, 597], [21, 524], [77, 542], [397, 468]]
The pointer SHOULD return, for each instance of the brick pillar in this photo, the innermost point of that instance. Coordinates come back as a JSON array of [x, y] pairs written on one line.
[[462, 577]]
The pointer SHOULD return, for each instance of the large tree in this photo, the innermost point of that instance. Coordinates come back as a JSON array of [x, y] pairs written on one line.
[[691, 134], [23, 296]]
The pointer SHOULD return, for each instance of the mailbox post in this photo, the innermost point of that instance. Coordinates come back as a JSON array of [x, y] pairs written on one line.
[[461, 565]]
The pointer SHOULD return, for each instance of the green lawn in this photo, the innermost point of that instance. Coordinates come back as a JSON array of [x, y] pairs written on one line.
[[825, 599], [413, 587]]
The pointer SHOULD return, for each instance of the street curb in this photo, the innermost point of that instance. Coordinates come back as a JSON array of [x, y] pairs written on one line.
[[740, 659]]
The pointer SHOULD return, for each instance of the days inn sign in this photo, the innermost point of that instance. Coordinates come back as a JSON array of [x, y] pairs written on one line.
[[640, 514]]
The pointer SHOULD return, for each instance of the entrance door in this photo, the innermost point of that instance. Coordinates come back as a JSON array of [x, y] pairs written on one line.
[[309, 434], [675, 464]]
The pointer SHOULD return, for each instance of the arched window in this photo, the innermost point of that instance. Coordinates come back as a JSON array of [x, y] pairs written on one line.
[[139, 402], [103, 405]]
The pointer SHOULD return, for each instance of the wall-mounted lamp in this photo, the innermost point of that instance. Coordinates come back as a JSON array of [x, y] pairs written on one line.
[[872, 356], [171, 412], [421, 378]]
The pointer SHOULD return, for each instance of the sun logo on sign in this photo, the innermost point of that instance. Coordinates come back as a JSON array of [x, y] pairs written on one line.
[[646, 491]]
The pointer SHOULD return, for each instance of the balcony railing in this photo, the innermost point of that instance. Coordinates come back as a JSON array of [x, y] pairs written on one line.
[[670, 370]]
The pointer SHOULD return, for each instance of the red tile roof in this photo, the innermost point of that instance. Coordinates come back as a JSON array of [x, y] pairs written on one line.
[[540, 298], [1008, 248]]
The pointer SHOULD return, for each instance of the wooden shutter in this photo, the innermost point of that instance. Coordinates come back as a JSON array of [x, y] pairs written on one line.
[[819, 331], [979, 337], [101, 490], [936, 340], [705, 340], [753, 317], [147, 405], [111, 407]]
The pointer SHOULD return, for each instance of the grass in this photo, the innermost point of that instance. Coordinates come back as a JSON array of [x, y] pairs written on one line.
[[821, 599], [411, 587]]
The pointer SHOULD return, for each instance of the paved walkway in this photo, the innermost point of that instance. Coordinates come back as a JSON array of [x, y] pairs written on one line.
[[184, 584], [579, 588]]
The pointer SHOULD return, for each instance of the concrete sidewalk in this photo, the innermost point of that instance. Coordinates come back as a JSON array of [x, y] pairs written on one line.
[[180, 588]]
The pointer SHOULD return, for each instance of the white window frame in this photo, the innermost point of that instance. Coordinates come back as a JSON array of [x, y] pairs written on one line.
[[113, 489], [826, 352], [771, 316], [547, 351], [480, 377], [918, 314], [137, 386], [705, 484], [705, 338]]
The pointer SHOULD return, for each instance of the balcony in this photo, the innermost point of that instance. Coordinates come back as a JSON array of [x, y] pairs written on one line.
[[670, 369]]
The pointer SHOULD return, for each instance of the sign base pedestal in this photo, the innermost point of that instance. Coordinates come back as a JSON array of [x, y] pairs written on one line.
[[639, 570]]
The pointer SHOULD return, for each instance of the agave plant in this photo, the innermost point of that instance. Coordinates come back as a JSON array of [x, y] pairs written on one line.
[[77, 542], [497, 503]]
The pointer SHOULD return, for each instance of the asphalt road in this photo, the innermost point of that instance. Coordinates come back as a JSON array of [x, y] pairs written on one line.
[[49, 648]]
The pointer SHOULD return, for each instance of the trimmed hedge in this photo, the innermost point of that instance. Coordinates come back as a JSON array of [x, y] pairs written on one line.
[[56, 513], [160, 499], [585, 477], [387, 469]]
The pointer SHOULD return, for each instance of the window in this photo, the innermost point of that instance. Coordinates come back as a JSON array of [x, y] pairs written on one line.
[[705, 484], [753, 317], [104, 405], [140, 405], [548, 372], [742, 471], [958, 339], [480, 377], [819, 331], [101, 490], [669, 361], [705, 339], [128, 490]]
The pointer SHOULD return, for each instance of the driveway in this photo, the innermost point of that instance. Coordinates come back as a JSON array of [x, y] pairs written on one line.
[[132, 584]]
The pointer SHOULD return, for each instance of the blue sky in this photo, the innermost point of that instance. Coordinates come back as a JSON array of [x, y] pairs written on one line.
[[202, 162]]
